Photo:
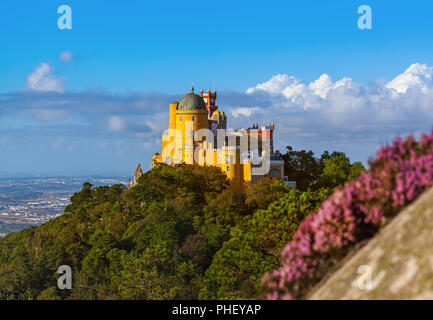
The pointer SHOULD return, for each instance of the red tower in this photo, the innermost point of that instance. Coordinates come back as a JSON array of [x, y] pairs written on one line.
[[209, 98]]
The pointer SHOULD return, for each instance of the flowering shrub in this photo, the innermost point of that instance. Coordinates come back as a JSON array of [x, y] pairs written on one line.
[[399, 173]]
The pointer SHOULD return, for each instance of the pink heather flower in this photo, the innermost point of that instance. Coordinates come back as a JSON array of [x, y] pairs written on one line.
[[398, 175]]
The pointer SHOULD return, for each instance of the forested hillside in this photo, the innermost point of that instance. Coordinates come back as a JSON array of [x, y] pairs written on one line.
[[180, 233]]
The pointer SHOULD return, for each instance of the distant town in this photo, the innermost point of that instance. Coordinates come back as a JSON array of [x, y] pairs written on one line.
[[26, 202]]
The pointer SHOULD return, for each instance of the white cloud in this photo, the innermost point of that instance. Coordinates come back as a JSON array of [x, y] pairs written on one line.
[[66, 56], [344, 114], [43, 79], [116, 124], [416, 76], [289, 86], [321, 86], [345, 95], [275, 85], [293, 89], [243, 111]]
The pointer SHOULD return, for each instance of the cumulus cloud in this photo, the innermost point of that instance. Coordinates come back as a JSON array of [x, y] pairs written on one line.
[[43, 79], [299, 93], [322, 85], [416, 76], [288, 86], [343, 114], [243, 111], [348, 101]]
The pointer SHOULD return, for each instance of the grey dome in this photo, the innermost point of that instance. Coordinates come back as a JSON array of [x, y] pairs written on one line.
[[191, 101]]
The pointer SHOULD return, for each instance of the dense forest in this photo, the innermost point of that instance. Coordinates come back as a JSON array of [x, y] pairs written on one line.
[[180, 233]]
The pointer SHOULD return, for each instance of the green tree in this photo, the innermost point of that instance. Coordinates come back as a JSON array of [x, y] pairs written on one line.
[[337, 170], [262, 193], [302, 167], [255, 246], [355, 170]]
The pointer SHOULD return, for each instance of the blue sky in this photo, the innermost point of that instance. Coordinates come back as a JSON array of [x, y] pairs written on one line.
[[101, 109]]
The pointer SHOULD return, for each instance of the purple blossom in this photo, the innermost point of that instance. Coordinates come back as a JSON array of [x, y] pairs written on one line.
[[398, 175]]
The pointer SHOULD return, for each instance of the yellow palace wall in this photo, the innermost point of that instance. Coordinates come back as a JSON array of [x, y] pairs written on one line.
[[178, 144]]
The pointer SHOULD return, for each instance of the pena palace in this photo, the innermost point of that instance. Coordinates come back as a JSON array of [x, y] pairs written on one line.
[[234, 152]]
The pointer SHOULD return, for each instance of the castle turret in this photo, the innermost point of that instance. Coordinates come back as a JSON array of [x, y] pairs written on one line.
[[172, 115], [210, 100]]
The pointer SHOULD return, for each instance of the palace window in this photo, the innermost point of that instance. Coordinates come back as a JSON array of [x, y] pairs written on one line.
[[228, 169]]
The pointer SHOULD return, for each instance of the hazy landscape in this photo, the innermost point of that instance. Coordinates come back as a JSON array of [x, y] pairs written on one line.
[[30, 201]]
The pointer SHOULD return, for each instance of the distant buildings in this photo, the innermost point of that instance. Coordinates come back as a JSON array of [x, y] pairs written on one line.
[[27, 202]]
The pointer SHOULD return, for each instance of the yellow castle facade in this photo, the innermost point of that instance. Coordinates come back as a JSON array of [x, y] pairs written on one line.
[[197, 134]]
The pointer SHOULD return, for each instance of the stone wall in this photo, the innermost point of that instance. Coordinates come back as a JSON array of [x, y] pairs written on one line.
[[396, 264]]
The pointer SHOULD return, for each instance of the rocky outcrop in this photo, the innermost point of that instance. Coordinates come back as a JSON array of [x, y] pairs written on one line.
[[137, 174], [396, 264]]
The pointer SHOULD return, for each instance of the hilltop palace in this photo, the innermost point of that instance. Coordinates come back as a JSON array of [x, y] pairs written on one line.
[[197, 134]]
